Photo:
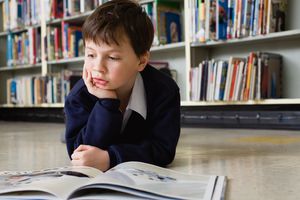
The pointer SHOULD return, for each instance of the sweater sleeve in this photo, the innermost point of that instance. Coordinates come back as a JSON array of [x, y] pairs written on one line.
[[89, 123], [160, 137]]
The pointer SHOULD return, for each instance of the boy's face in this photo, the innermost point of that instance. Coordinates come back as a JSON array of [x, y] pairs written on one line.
[[113, 67]]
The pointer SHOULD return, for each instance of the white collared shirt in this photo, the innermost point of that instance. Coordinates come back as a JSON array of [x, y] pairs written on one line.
[[137, 101]]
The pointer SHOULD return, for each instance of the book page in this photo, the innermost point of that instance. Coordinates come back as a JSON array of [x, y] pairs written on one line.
[[147, 180], [57, 182], [219, 192]]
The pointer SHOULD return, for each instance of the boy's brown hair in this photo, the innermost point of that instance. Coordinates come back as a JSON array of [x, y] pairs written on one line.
[[116, 17]]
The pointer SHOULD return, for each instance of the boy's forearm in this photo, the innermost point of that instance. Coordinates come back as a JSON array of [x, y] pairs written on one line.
[[104, 123], [96, 127]]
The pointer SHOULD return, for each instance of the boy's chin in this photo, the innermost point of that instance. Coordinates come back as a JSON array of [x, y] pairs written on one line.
[[97, 85]]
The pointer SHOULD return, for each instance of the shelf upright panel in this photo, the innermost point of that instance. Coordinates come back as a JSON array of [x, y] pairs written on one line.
[[187, 27], [43, 37]]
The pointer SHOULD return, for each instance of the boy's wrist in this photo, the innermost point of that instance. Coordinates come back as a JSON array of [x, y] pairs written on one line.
[[106, 164], [110, 103], [113, 161]]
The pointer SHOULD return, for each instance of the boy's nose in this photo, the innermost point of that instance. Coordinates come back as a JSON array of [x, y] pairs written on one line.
[[100, 66]]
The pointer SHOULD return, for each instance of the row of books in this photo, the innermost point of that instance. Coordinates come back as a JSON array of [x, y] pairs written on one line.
[[18, 14], [64, 41], [166, 18], [227, 19], [24, 47], [239, 79], [35, 90], [65, 8]]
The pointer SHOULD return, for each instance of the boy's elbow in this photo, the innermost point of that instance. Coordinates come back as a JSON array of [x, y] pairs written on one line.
[[165, 157], [166, 161]]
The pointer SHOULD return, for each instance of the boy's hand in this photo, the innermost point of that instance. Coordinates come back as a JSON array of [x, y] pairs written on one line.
[[93, 89], [86, 155]]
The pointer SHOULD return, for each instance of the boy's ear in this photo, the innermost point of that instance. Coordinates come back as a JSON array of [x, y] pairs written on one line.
[[144, 60]]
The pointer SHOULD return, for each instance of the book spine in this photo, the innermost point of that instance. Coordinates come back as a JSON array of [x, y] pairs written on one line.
[[230, 14], [252, 17], [222, 19], [202, 21]]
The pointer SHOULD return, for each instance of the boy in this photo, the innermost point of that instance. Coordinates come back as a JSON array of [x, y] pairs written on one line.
[[123, 109]]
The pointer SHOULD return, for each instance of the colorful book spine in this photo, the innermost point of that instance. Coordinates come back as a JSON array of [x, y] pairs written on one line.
[[230, 21], [222, 8], [202, 21], [252, 17], [212, 20], [246, 18]]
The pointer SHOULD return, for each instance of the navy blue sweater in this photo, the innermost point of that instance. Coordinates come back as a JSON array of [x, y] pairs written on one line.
[[98, 122]]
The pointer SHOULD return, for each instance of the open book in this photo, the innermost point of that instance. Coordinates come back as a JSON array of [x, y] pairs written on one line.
[[129, 180]]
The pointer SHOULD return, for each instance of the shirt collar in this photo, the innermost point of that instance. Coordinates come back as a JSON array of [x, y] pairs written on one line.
[[137, 101]]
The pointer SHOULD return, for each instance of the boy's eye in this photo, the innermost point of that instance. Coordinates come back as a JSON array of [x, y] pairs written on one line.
[[113, 58], [90, 55]]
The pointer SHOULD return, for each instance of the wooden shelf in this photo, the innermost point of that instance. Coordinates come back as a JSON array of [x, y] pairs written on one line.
[[168, 47], [66, 60], [20, 67], [282, 101], [2, 34], [284, 35], [183, 103], [79, 17]]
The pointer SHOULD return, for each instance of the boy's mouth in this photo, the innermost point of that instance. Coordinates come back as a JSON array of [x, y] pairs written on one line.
[[99, 81]]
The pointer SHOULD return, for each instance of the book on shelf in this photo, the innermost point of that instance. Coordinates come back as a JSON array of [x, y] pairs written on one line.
[[75, 7], [24, 47], [54, 43], [221, 89], [167, 22], [271, 75], [5, 15], [36, 89], [246, 18], [231, 77], [221, 19], [173, 27], [56, 9], [19, 14], [227, 19], [129, 180], [277, 11], [212, 20], [259, 76], [71, 40]]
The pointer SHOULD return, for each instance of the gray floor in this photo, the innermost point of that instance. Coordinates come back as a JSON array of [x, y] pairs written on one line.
[[260, 164]]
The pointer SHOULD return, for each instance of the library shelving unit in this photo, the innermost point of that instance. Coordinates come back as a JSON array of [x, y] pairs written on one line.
[[263, 113], [173, 53], [182, 56]]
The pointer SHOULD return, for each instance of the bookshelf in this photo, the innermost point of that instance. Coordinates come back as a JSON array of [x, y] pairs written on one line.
[[173, 53], [181, 56], [285, 43]]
